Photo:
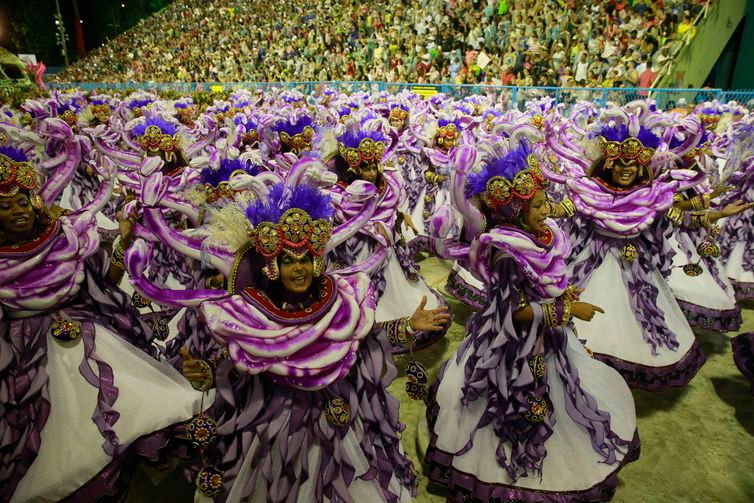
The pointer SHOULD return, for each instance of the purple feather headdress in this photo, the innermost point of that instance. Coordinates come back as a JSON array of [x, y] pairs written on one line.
[[182, 104], [14, 154], [620, 133], [296, 220], [351, 139], [292, 129], [445, 122], [507, 167], [98, 101], [506, 184], [139, 103], [167, 128], [305, 197], [71, 106], [215, 177]]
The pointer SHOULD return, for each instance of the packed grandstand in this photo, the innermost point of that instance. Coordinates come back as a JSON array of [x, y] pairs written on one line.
[[515, 42]]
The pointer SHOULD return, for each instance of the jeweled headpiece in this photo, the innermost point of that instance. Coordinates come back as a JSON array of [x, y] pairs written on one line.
[[157, 134], [185, 111], [709, 117], [138, 105], [447, 133], [617, 143], [250, 135], [297, 221], [296, 136], [16, 173], [68, 112], [361, 148], [398, 112], [100, 109], [508, 182], [216, 182]]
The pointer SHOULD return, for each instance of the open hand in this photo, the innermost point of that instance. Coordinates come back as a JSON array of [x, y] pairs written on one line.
[[735, 208], [428, 321]]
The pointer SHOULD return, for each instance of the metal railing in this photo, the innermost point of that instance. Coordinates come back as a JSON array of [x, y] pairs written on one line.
[[509, 96]]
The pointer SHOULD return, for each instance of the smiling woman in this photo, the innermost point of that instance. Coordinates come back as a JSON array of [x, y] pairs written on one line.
[[17, 218], [61, 319]]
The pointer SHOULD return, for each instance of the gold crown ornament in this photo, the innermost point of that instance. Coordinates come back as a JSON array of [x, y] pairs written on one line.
[[501, 191], [369, 151], [15, 176], [154, 140], [295, 232], [447, 136], [298, 142], [630, 149]]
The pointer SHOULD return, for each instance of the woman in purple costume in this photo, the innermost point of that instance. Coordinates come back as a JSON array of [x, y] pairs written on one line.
[[522, 412], [621, 256], [77, 394], [302, 409]]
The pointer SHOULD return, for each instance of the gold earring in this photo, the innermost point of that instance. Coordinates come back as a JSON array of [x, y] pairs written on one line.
[[271, 270]]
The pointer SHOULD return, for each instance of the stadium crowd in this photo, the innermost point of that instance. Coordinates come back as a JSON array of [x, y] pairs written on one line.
[[515, 42]]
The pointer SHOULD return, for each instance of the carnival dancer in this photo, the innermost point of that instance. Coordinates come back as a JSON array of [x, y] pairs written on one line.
[[358, 155], [302, 411], [521, 411], [737, 233], [618, 198], [698, 279], [66, 362]]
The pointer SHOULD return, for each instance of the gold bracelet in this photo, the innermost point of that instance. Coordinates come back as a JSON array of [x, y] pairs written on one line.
[[696, 203], [550, 314], [569, 209], [675, 215], [705, 201], [566, 312]]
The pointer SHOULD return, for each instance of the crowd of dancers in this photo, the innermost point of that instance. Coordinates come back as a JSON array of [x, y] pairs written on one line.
[[229, 286]]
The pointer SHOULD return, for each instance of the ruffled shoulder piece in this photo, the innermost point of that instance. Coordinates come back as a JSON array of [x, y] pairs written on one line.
[[627, 212], [34, 246], [309, 352], [307, 315], [543, 264]]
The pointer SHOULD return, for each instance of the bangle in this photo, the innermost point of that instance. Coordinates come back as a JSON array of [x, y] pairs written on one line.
[[705, 201], [696, 203], [550, 315], [569, 209], [675, 215], [430, 176], [566, 312], [399, 332], [118, 256]]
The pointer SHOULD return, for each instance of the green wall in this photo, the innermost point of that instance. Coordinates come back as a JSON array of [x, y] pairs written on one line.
[[696, 60], [743, 75]]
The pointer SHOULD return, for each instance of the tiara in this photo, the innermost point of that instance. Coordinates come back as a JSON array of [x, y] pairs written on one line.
[[15, 176], [398, 113], [367, 151], [153, 140], [299, 141], [500, 191], [630, 149], [447, 135], [295, 232], [69, 117]]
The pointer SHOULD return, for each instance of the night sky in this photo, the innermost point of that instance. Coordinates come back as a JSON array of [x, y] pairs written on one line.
[[28, 26]]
